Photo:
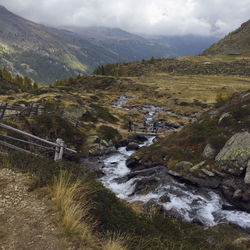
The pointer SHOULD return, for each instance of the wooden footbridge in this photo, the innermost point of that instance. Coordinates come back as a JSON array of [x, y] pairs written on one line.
[[149, 129]]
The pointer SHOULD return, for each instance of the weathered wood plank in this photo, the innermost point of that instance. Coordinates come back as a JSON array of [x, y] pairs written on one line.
[[26, 142], [8, 145], [34, 137]]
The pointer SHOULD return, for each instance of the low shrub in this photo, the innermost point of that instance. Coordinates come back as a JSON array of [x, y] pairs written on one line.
[[108, 133]]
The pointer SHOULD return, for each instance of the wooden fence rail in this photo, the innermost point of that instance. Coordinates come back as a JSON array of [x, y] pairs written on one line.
[[58, 147], [28, 110]]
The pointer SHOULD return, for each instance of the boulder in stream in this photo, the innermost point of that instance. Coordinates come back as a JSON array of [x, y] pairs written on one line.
[[132, 146]]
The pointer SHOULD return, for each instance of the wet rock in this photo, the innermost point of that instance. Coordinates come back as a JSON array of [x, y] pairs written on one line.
[[99, 150], [122, 143], [141, 173], [153, 206], [228, 207], [99, 173], [247, 176], [145, 186], [183, 165], [140, 138], [211, 183], [173, 213], [173, 173], [120, 180], [207, 172], [208, 152], [132, 146], [234, 156], [132, 163], [237, 194], [246, 196], [165, 198]]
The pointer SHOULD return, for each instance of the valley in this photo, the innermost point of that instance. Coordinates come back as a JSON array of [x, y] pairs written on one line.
[[184, 184]]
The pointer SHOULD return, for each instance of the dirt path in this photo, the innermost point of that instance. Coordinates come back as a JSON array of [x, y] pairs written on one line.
[[24, 222]]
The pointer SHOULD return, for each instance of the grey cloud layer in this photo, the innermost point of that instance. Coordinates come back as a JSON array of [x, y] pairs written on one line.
[[168, 17]]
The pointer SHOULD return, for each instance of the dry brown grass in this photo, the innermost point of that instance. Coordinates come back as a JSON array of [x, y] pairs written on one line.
[[115, 242], [75, 219]]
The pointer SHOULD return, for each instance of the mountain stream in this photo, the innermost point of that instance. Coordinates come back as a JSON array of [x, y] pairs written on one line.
[[189, 203]]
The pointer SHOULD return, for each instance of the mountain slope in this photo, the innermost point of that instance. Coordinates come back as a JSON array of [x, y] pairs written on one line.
[[128, 46], [186, 45], [236, 42], [46, 54]]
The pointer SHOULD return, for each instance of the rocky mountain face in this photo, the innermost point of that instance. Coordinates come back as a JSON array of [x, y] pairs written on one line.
[[235, 43]]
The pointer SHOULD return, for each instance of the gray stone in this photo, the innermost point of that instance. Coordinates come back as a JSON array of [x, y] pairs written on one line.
[[207, 172], [99, 150], [237, 194], [247, 176], [183, 165], [208, 152], [104, 143], [132, 146], [234, 156], [173, 173], [223, 116], [132, 163]]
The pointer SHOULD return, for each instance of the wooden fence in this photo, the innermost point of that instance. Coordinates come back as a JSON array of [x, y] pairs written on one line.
[[57, 147], [19, 110]]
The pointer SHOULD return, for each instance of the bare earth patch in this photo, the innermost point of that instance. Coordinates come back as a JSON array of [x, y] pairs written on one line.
[[24, 222]]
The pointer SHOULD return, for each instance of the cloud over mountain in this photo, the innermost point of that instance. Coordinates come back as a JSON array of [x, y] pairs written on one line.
[[165, 17]]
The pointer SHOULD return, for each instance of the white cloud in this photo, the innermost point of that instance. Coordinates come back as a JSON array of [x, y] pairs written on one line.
[[168, 17]]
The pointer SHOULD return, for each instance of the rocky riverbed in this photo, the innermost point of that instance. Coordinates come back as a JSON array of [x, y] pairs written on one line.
[[179, 194]]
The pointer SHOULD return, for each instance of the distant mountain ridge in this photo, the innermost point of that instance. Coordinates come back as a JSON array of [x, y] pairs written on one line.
[[47, 54], [236, 42]]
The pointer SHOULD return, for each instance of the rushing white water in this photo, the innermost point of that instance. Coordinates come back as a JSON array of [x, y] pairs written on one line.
[[188, 202], [185, 201]]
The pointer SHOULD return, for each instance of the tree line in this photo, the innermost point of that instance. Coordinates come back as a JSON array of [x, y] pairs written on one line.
[[8, 83]]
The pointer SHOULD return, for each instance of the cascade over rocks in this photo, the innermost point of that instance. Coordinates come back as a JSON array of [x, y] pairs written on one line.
[[234, 156]]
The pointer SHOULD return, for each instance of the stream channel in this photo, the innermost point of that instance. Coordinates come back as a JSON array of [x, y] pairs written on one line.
[[189, 203]]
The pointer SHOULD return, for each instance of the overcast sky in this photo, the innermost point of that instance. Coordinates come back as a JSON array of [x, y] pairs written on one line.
[[166, 17]]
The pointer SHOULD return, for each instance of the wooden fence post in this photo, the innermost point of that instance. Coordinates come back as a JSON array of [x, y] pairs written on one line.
[[30, 109], [3, 110], [59, 149]]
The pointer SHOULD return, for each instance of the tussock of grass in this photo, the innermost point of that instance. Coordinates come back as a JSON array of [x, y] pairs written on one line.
[[115, 242], [65, 194]]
